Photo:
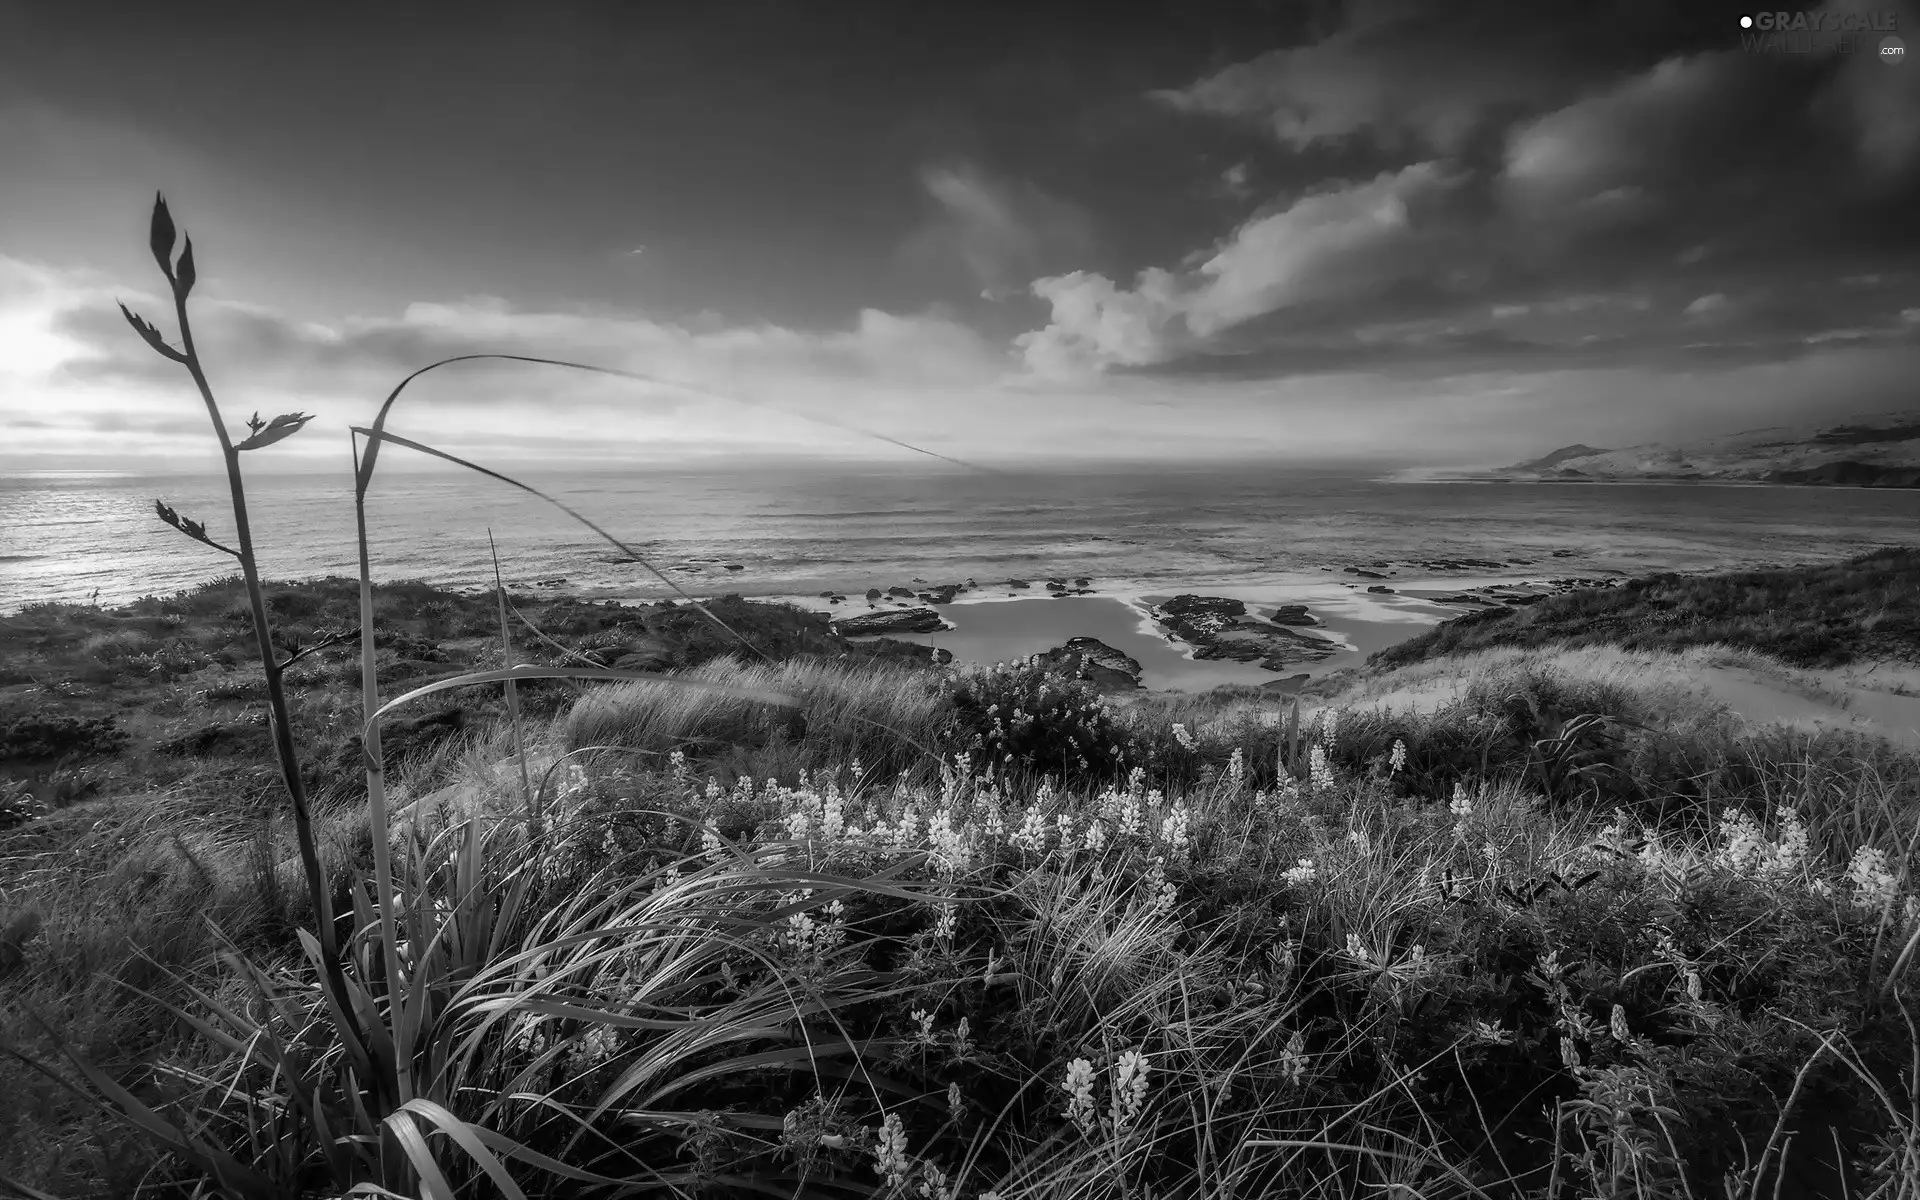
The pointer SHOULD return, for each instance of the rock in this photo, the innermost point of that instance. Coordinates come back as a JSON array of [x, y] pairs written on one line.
[[1366, 574], [1218, 628], [1081, 582], [1018, 583], [826, 595], [734, 567], [1054, 585], [904, 620], [897, 590], [874, 593], [1292, 614], [1564, 553], [1377, 589], [1106, 668], [943, 594]]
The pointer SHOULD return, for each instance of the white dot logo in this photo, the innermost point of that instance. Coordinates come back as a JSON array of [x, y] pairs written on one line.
[[1746, 22], [1893, 50]]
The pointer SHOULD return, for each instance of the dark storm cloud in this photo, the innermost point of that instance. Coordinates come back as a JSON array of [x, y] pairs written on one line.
[[1530, 161]]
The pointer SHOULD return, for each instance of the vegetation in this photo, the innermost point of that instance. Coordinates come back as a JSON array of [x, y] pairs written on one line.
[[1824, 616], [791, 921]]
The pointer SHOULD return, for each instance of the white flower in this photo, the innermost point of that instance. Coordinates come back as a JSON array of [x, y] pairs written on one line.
[[1129, 1088], [1302, 874], [1079, 1088], [1237, 770], [1397, 759], [1874, 885], [1033, 831], [1293, 1060], [1096, 836], [1181, 735], [890, 1151], [1329, 727], [1319, 770], [1174, 830]]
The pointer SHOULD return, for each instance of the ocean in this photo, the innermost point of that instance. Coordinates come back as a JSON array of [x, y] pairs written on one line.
[[797, 531]]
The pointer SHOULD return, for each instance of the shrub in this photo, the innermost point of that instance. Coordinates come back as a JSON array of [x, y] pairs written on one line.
[[58, 735], [1026, 714]]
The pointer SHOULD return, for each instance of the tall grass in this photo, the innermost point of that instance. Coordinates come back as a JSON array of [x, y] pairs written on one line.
[[885, 717]]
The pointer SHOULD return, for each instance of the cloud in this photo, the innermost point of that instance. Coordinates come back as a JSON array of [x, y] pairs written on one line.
[[1335, 244], [1001, 232], [1413, 77], [1710, 303]]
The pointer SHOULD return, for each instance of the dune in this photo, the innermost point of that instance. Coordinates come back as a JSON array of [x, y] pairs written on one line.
[[1879, 700]]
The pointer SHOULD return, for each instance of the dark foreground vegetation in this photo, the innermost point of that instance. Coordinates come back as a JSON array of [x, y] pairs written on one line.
[[977, 930], [1825, 616]]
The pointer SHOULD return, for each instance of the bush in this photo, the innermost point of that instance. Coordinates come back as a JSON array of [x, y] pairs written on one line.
[[1031, 715], [58, 735]]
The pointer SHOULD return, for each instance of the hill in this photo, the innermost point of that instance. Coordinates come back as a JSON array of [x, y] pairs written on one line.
[[1879, 450], [1822, 616]]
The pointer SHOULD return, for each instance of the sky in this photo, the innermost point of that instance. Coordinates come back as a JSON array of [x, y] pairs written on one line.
[[1454, 232]]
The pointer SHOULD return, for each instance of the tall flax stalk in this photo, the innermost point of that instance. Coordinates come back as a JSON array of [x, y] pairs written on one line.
[[180, 278], [513, 697]]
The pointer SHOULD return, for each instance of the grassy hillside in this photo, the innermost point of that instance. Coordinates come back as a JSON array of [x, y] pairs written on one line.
[[981, 931], [1823, 616]]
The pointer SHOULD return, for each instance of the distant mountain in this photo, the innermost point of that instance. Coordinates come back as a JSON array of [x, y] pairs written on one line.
[[1877, 450]]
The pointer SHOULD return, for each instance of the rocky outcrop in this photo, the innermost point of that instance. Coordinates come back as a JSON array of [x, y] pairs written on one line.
[[1218, 627], [1381, 590], [902, 620], [1106, 668], [1292, 614]]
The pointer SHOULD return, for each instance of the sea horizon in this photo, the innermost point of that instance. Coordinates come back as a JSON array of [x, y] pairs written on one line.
[[797, 531]]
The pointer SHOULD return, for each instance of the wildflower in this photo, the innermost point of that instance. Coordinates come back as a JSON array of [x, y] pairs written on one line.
[[1329, 727], [1302, 873], [1397, 759], [1319, 770], [1065, 823], [1293, 1060], [1462, 804], [596, 1046], [1079, 1089], [1569, 1053], [1874, 886], [1129, 1088], [1174, 830], [945, 918], [1096, 836], [709, 840], [992, 825], [890, 1151], [1033, 831], [1618, 1025], [1236, 770], [933, 1183], [924, 1020], [1360, 840], [1357, 950], [1695, 989], [1185, 739], [953, 1099]]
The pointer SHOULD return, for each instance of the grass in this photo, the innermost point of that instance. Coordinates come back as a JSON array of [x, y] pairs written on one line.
[[1827, 616], [788, 920]]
